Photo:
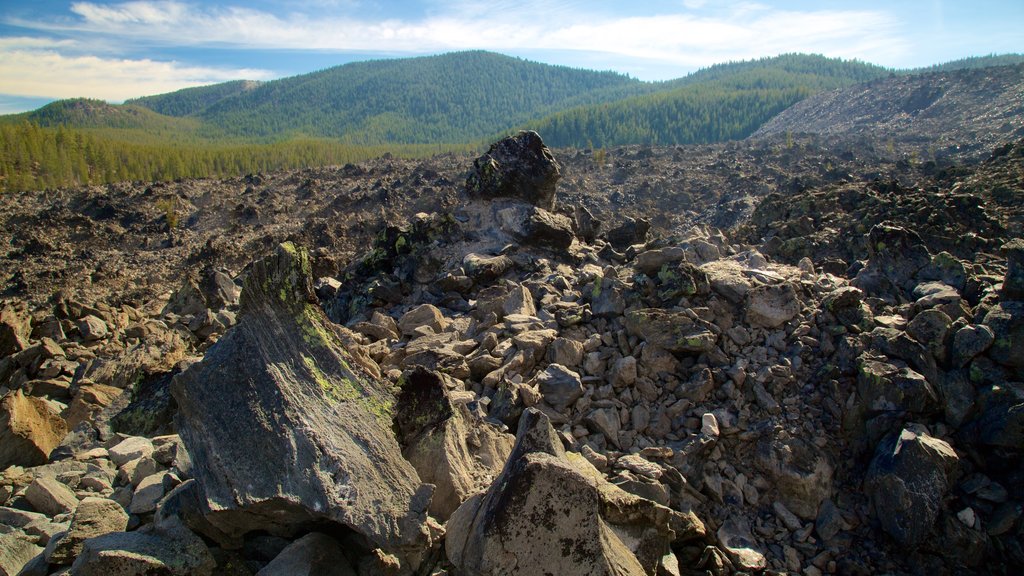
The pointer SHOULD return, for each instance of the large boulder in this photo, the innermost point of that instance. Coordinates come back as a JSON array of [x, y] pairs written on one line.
[[672, 331], [93, 517], [772, 306], [519, 166], [1013, 282], [907, 482], [285, 427], [313, 554], [550, 512], [448, 447], [29, 430], [895, 256], [15, 553], [168, 550], [1007, 323]]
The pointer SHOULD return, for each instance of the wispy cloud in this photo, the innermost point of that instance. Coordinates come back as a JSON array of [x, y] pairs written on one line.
[[48, 73]]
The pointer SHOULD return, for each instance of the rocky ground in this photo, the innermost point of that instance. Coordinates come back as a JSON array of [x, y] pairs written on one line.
[[787, 355]]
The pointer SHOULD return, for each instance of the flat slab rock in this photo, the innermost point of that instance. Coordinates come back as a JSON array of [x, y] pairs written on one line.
[[284, 429]]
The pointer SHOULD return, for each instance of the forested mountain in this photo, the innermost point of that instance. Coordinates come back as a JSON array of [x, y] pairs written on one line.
[[191, 101], [409, 106]]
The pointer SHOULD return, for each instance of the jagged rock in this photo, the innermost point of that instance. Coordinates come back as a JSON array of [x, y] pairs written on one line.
[[772, 306], [219, 290], [423, 315], [683, 280], [187, 300], [566, 352], [895, 256], [552, 512], [15, 330], [504, 300], [937, 295], [484, 269], [51, 497], [1001, 421], [284, 427], [672, 331], [885, 387], [1007, 323], [801, 473], [444, 443], [519, 166], [735, 538], [560, 386], [907, 482], [89, 400], [548, 230], [606, 421], [93, 517], [314, 554], [1013, 282], [29, 430], [631, 231], [587, 226], [15, 553], [969, 342], [169, 549]]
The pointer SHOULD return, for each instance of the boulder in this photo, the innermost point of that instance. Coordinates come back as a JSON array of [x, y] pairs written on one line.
[[15, 553], [314, 554], [672, 331], [908, 479], [631, 231], [1007, 324], [169, 549], [29, 430], [1013, 282], [552, 512], [15, 330], [285, 426], [482, 268], [772, 306], [449, 448], [423, 315], [519, 166], [93, 517], [505, 299], [50, 496], [895, 256], [800, 473], [93, 328], [560, 386]]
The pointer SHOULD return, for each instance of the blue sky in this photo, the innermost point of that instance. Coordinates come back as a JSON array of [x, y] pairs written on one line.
[[115, 50]]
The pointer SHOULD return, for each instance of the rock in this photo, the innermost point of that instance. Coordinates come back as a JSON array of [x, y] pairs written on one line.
[[93, 328], [772, 306], [423, 315], [1007, 323], [15, 553], [29, 430], [895, 256], [169, 550], [623, 373], [551, 512], [444, 443], [908, 479], [566, 352], [800, 473], [969, 342], [50, 496], [149, 491], [131, 448], [93, 517], [1013, 282], [89, 400], [672, 331], [631, 231], [548, 230], [15, 330], [519, 166], [312, 555], [219, 290], [484, 269], [606, 421], [285, 424], [650, 262], [587, 225], [560, 386], [884, 387], [504, 300], [737, 542], [683, 280], [187, 300], [939, 296]]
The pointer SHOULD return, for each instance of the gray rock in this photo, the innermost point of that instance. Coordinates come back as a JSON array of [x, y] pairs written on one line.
[[169, 550], [969, 342], [131, 448], [672, 331], [650, 262], [422, 315], [736, 541], [1013, 282], [1007, 323], [885, 387], [800, 473], [504, 300], [547, 230], [93, 517], [314, 554], [895, 256], [606, 421], [93, 328], [483, 269], [623, 373], [519, 166], [552, 512], [560, 386], [907, 482], [285, 424], [50, 496], [447, 446], [772, 306], [566, 352], [15, 553], [148, 493]]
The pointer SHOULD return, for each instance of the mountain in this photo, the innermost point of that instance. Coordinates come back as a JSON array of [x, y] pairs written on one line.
[[939, 113], [192, 101]]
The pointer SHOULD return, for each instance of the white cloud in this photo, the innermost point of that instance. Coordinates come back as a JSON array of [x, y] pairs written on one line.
[[48, 73]]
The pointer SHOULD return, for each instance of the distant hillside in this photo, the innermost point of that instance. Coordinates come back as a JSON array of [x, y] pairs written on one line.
[[191, 101], [937, 113], [725, 102]]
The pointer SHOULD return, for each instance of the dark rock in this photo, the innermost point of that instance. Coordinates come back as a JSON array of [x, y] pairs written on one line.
[[800, 473], [168, 550], [548, 230], [286, 425], [433, 432], [672, 331], [587, 225], [560, 386], [15, 330], [550, 512], [969, 342], [895, 256], [631, 231], [1013, 282], [483, 269], [1007, 323], [519, 166], [908, 479], [314, 553]]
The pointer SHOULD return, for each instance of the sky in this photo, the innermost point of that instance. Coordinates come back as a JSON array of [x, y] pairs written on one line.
[[115, 50]]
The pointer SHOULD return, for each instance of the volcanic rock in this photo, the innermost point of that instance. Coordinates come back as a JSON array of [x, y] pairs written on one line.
[[29, 430], [519, 166], [284, 428]]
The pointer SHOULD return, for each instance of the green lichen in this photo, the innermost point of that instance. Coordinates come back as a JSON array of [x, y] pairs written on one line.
[[596, 292], [335, 393]]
